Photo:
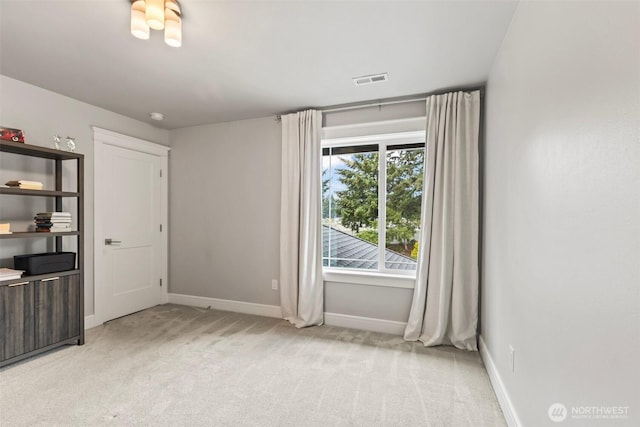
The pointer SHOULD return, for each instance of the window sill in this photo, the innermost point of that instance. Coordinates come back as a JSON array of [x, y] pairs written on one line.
[[368, 278]]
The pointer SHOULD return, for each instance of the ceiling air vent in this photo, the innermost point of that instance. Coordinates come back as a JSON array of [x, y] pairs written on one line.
[[374, 78]]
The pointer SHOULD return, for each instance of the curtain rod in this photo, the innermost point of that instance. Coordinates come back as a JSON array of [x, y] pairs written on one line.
[[391, 101], [358, 106], [370, 104]]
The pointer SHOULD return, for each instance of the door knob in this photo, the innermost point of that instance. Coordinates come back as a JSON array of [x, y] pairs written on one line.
[[112, 242]]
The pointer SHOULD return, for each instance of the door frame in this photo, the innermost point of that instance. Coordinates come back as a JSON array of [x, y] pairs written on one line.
[[102, 138]]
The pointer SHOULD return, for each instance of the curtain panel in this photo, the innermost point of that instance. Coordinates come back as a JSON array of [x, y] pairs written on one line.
[[301, 285], [444, 309]]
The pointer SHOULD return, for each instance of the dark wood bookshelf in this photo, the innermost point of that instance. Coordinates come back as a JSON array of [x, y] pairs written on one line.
[[42, 312]]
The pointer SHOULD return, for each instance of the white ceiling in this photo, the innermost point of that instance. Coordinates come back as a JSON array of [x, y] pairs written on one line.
[[243, 59]]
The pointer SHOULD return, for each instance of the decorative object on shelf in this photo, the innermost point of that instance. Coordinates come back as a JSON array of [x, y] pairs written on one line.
[[71, 144], [9, 134], [56, 142], [5, 228], [159, 15], [52, 222], [25, 185], [10, 274], [44, 263]]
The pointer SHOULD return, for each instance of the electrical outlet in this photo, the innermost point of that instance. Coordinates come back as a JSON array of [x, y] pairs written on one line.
[[274, 284], [512, 358]]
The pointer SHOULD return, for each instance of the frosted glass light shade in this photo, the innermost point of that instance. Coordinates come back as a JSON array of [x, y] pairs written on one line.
[[158, 15], [173, 5], [172, 29], [155, 14], [139, 27]]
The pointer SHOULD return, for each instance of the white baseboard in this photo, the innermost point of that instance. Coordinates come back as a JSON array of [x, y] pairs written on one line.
[[331, 319], [507, 407], [90, 321], [227, 305], [365, 323]]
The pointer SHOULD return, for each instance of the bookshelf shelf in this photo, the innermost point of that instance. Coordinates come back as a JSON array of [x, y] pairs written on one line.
[[22, 192], [32, 234]]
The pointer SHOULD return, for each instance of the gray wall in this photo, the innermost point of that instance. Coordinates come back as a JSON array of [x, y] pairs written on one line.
[[42, 114], [376, 302], [224, 210], [225, 216], [561, 277]]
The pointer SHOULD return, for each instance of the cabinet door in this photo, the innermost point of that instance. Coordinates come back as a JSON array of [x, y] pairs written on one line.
[[58, 315], [17, 327]]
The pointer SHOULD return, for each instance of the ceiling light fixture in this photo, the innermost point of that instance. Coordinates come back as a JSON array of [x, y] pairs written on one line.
[[158, 15]]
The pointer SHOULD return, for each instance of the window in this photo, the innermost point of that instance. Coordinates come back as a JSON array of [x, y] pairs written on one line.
[[372, 196]]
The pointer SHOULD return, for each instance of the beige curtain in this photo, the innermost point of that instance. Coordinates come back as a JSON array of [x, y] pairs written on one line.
[[301, 286], [445, 300]]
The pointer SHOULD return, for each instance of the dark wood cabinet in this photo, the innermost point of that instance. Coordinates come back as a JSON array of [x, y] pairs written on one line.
[[58, 309], [38, 313], [17, 314]]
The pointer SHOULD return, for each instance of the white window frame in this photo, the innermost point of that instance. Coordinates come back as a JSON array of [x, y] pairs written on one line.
[[341, 274]]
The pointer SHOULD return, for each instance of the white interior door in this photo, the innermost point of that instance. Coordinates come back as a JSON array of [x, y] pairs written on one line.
[[129, 240]]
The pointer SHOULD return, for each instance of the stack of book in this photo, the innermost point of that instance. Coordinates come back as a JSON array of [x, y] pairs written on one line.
[[10, 274], [53, 222], [5, 228], [27, 185]]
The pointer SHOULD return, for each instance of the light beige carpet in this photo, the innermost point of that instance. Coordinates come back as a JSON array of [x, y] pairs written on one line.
[[183, 366]]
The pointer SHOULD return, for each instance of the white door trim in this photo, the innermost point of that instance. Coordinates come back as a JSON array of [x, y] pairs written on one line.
[[129, 142], [101, 138]]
